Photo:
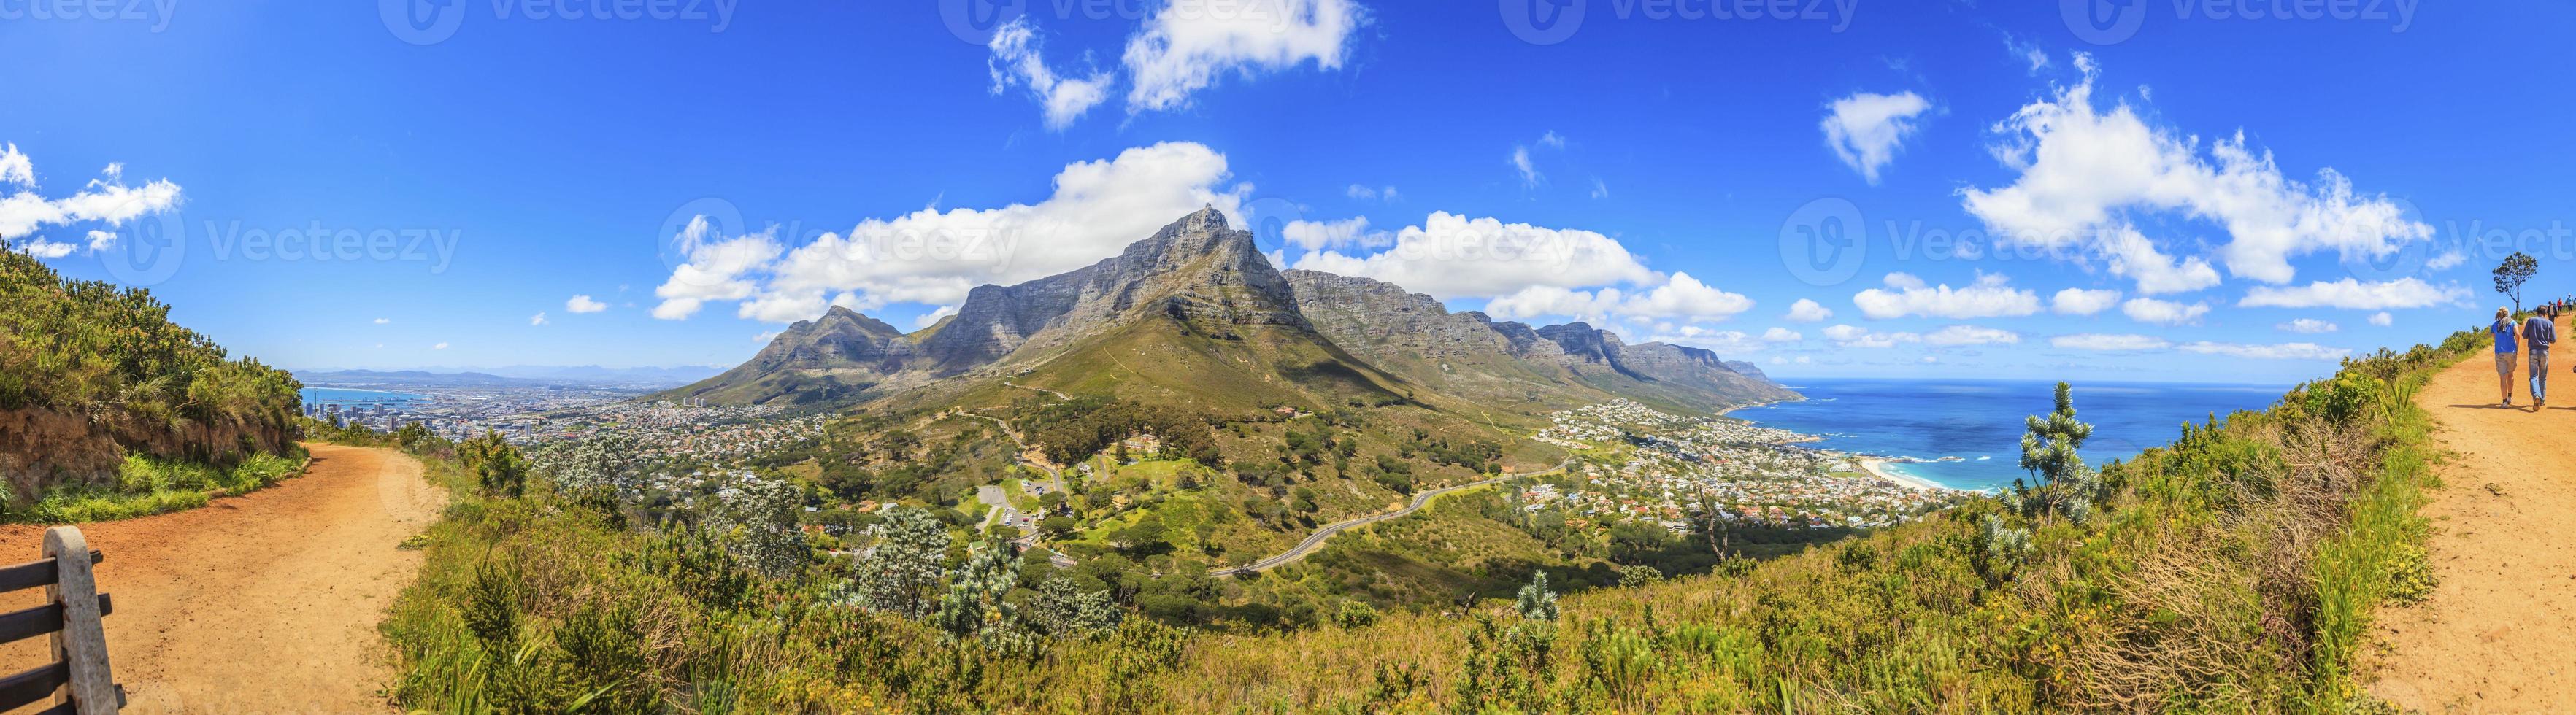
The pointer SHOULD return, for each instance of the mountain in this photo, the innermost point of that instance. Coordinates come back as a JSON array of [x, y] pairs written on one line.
[[1749, 370], [1468, 354], [1195, 312]]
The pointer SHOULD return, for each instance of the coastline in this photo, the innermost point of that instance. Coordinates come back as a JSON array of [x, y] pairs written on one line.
[[1877, 467]]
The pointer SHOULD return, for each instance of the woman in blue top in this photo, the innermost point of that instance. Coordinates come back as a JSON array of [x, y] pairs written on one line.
[[2503, 330]]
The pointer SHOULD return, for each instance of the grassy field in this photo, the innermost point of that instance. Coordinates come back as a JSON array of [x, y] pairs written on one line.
[[146, 486]]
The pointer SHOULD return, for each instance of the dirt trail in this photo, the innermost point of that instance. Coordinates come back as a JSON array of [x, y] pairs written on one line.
[[264, 603], [2499, 634]]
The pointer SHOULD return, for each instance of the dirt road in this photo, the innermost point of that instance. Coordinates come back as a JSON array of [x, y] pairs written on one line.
[[2499, 634], [264, 603]]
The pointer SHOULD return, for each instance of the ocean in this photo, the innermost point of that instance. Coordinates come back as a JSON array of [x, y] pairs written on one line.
[[345, 397], [1981, 421]]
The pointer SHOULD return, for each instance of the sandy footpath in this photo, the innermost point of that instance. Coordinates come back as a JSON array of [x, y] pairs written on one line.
[[2499, 634], [263, 603]]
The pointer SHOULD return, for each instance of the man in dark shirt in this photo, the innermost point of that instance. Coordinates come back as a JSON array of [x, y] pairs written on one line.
[[2538, 332]]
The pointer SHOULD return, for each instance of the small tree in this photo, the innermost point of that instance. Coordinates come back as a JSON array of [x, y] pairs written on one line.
[[899, 573], [2510, 275], [1537, 603], [2048, 451]]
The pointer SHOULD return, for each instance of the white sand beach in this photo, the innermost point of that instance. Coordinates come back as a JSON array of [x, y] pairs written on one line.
[[1879, 468]]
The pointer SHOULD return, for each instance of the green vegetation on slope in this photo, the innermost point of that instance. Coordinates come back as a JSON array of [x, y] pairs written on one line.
[[90, 372], [2234, 570]]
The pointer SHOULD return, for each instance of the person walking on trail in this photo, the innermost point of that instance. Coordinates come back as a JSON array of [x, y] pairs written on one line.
[[2539, 332], [2503, 330]]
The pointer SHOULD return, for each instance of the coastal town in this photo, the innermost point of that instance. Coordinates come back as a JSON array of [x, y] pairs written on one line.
[[1644, 464], [664, 430]]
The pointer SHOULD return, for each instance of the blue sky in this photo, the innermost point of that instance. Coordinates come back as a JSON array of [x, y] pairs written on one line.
[[701, 173]]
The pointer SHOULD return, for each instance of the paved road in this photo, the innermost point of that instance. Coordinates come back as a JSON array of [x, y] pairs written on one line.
[[1316, 540]]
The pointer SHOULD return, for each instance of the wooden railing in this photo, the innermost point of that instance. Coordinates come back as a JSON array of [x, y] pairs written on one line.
[[78, 680]]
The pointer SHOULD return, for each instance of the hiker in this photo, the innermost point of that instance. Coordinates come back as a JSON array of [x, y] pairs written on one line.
[[2503, 329], [2538, 333]]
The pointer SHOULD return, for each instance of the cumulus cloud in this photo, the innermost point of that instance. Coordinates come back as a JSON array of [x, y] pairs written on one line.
[[2308, 325], [2084, 172], [2382, 319], [933, 317], [1187, 47], [101, 240], [1988, 297], [2354, 294], [2109, 343], [935, 256], [1808, 311], [1529, 170], [2282, 351], [1957, 335], [2448, 260], [1851, 336], [106, 199], [381, 321], [538, 319], [440, 346], [2163, 312], [1321, 235], [1865, 129], [1450, 256], [2078, 301], [1781, 335], [583, 304], [1369, 193], [1685, 297], [1724, 342], [1018, 61]]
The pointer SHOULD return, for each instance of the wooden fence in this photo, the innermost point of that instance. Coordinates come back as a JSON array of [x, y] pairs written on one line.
[[78, 680]]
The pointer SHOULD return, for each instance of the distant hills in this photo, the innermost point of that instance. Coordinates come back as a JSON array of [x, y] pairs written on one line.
[[1195, 313], [632, 377]]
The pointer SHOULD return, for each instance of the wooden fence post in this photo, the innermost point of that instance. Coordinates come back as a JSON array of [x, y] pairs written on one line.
[[83, 641]]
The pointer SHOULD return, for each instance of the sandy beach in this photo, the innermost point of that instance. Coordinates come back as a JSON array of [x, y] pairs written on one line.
[[1878, 468]]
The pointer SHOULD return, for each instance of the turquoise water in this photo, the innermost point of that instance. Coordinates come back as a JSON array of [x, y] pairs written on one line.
[[1980, 422], [347, 397]]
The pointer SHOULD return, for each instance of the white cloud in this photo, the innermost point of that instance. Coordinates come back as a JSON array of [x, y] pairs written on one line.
[[935, 256], [1600, 190], [1866, 129], [1958, 335], [1850, 336], [2109, 343], [101, 240], [2308, 325], [1529, 170], [1809, 311], [1451, 256], [1781, 335], [717, 269], [1368, 193], [2028, 53], [105, 199], [2448, 260], [2163, 312], [1018, 61], [538, 319], [763, 337], [440, 346], [1723, 342], [1187, 47], [2078, 301], [42, 248], [1685, 297], [381, 321], [1321, 235], [1988, 297], [1540, 301], [2083, 172], [583, 304], [2382, 319], [933, 317], [2282, 351], [2355, 295]]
